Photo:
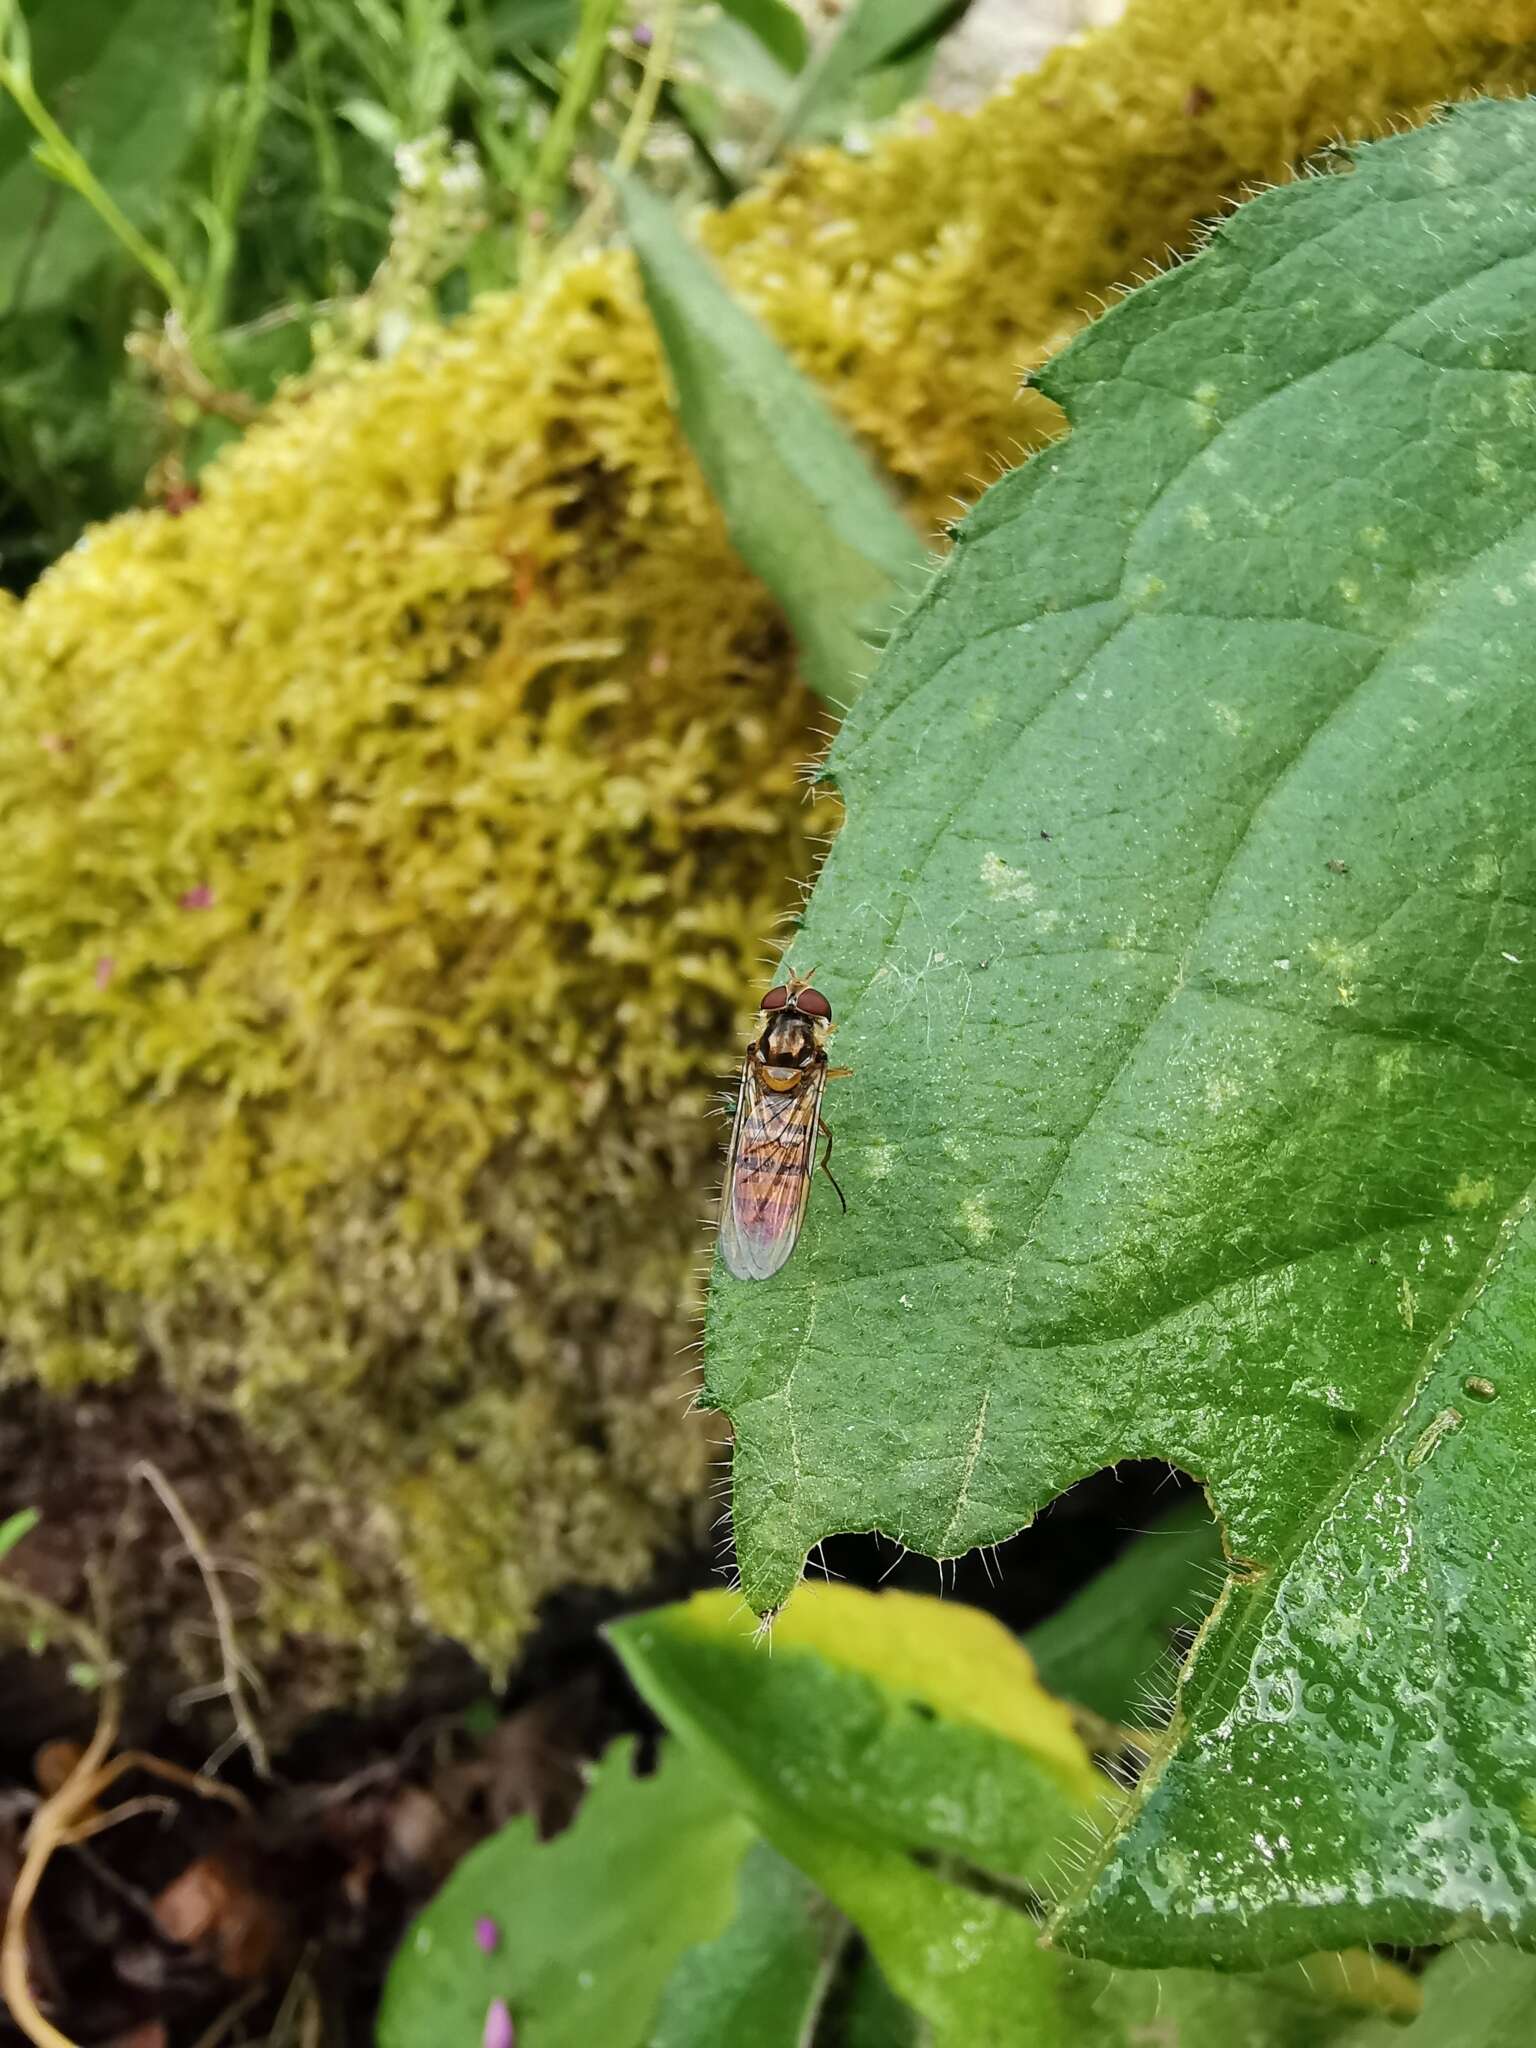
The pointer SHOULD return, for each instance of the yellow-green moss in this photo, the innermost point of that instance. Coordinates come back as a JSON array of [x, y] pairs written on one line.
[[391, 841]]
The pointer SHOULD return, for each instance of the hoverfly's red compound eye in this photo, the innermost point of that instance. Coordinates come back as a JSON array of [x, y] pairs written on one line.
[[810, 1002], [775, 999]]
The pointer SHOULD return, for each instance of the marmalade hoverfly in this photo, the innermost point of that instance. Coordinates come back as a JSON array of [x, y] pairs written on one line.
[[772, 1153]]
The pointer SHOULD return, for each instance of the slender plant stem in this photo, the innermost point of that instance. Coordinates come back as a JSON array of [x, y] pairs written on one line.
[[223, 1618], [658, 65], [59, 156], [327, 156], [559, 141], [235, 171], [426, 30], [477, 33]]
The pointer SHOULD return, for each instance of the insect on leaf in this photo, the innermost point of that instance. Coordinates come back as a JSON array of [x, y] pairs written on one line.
[[1182, 937]]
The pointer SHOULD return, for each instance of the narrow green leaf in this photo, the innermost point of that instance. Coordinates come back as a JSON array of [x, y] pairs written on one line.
[[776, 26], [14, 1527], [968, 1964], [544, 24], [804, 507], [730, 86], [587, 1927], [871, 33], [129, 81], [1110, 1647], [760, 1984], [1181, 938], [374, 123]]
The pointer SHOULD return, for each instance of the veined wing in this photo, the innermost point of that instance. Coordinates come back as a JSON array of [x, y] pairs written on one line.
[[768, 1172]]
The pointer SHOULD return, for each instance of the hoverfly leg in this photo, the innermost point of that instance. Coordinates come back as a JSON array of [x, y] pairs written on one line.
[[826, 1169], [838, 1074]]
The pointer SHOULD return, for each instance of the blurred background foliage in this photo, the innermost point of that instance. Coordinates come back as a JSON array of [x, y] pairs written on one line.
[[401, 803], [289, 180]]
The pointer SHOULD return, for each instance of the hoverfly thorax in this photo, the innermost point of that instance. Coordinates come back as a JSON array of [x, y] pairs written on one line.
[[773, 1140]]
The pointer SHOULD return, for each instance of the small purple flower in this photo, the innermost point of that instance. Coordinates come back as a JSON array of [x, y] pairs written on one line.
[[200, 898], [643, 34], [499, 2030], [106, 967], [487, 1935]]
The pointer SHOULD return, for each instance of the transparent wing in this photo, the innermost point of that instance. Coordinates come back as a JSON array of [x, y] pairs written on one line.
[[768, 1173]]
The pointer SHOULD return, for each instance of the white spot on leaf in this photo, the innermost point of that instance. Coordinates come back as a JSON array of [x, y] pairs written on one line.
[[1005, 884]]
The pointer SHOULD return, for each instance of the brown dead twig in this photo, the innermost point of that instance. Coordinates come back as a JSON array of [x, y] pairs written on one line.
[[167, 353], [231, 2017], [72, 1813], [237, 1673]]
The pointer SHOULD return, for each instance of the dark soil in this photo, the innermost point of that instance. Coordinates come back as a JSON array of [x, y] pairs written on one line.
[[287, 1915]]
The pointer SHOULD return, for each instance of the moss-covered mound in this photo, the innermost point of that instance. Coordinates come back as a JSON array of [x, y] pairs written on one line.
[[393, 840]]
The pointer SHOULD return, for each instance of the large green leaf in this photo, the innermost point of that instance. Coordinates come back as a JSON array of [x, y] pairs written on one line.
[[893, 1747], [762, 1983], [585, 1928], [1381, 1721], [1183, 935], [805, 508], [128, 80], [884, 1743], [917, 1723]]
